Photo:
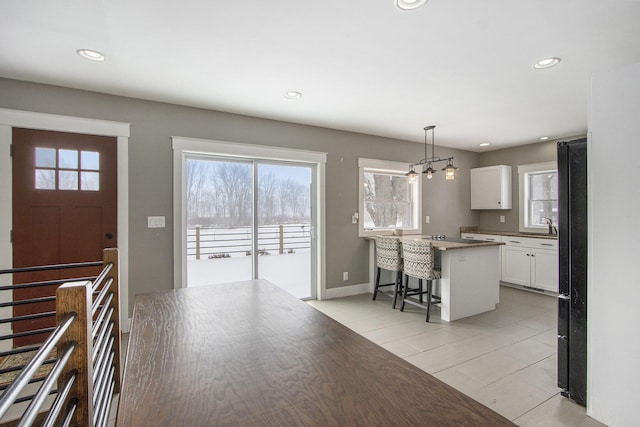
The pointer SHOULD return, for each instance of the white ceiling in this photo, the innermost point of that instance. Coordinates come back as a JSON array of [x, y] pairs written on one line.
[[465, 66]]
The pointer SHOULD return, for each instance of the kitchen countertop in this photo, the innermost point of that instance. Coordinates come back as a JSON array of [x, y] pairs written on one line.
[[447, 244], [515, 234]]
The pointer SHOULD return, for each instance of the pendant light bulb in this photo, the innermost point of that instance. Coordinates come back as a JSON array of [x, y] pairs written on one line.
[[450, 174], [450, 170], [429, 171], [411, 175]]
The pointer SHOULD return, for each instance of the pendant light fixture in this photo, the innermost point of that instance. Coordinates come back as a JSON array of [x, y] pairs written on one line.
[[428, 170]]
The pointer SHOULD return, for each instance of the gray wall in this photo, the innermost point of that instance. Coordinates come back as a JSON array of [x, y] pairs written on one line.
[[151, 176], [522, 155]]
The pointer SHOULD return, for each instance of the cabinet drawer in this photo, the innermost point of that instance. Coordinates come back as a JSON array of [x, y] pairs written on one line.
[[530, 242], [545, 244], [483, 237], [518, 241]]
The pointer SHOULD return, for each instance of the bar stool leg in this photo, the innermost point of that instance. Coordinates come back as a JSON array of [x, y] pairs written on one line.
[[405, 291], [429, 289], [420, 290], [398, 287], [375, 291]]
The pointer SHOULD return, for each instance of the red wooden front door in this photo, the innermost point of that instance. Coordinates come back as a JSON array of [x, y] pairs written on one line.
[[64, 211]]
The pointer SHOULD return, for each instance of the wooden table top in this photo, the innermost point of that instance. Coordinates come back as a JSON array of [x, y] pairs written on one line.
[[250, 354]]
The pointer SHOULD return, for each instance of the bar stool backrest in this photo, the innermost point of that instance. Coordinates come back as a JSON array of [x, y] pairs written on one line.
[[418, 258], [388, 253]]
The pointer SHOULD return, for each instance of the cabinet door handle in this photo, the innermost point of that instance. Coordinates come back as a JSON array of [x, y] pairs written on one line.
[[490, 240], [532, 255], [546, 244], [528, 254], [514, 241]]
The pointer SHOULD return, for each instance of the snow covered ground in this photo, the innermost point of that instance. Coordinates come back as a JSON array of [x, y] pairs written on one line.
[[291, 272]]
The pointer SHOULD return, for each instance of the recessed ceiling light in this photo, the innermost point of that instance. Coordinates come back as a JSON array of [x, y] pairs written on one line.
[[544, 138], [292, 94], [484, 144], [409, 4], [92, 55], [547, 63]]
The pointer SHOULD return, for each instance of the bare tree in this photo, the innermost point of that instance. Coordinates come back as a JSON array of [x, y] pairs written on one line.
[[195, 176], [235, 181], [268, 186], [283, 196], [385, 198], [222, 193]]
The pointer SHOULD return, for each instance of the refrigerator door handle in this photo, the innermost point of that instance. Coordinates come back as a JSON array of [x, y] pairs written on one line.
[[564, 296]]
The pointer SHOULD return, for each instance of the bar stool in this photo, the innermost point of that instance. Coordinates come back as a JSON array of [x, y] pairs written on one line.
[[388, 257], [418, 260]]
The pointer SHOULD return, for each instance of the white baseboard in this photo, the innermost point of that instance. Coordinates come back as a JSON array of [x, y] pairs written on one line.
[[347, 291], [125, 327]]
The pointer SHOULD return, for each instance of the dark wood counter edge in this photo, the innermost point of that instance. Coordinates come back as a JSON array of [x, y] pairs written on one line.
[[465, 406]]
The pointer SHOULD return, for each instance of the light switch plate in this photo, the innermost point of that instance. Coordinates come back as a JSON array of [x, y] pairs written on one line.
[[155, 222], [501, 218]]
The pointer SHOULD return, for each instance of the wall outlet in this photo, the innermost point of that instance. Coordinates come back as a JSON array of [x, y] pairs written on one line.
[[501, 218], [354, 218], [155, 222], [427, 219], [345, 275]]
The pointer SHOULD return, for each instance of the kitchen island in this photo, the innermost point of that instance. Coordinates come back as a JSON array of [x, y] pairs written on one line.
[[470, 282]]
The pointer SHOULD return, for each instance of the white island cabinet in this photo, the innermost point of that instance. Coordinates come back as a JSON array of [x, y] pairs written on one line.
[[491, 187]]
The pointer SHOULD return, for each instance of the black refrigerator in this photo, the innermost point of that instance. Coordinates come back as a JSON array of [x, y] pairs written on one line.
[[572, 242]]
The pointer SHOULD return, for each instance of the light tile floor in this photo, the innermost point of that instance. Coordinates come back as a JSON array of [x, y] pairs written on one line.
[[505, 359]]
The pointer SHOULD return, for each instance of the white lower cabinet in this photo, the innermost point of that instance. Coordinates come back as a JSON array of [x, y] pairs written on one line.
[[525, 261], [516, 265], [530, 262], [544, 269]]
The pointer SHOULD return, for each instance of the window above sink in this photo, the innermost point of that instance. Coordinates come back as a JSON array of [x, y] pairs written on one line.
[[538, 197]]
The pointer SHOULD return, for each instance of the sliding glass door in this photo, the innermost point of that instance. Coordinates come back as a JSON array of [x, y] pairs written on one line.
[[249, 220], [284, 229]]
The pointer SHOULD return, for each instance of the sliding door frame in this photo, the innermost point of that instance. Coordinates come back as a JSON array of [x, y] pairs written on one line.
[[184, 147]]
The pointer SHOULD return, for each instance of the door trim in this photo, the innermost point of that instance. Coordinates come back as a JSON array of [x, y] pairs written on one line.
[[182, 146], [53, 122]]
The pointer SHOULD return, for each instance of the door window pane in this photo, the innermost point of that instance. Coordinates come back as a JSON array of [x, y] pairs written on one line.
[[68, 159], [67, 180], [90, 181], [45, 157], [90, 160], [45, 179]]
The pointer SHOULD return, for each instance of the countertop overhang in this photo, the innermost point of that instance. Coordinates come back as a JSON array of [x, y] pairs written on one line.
[[446, 245]]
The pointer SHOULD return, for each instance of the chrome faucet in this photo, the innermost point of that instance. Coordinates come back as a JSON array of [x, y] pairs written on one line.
[[552, 229]]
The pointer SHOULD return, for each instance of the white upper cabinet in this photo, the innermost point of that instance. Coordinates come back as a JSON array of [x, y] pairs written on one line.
[[491, 187]]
